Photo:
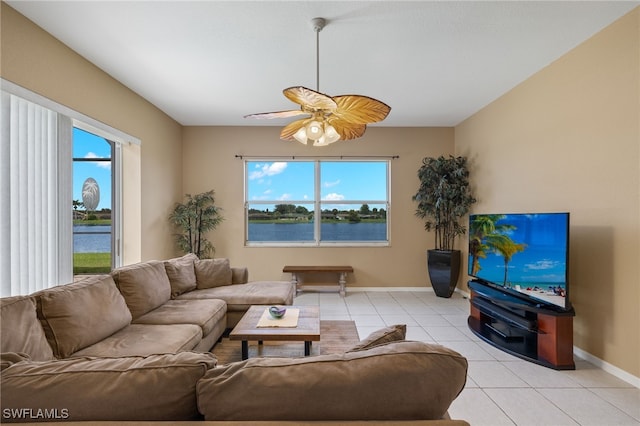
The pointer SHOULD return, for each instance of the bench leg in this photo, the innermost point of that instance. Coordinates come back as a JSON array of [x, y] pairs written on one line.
[[342, 282], [295, 282]]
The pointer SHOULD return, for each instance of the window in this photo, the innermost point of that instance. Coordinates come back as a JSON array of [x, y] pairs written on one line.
[[37, 189], [320, 202], [93, 239]]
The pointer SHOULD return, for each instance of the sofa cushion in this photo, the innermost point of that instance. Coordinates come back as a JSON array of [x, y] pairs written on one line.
[[397, 381], [203, 313], [181, 273], [78, 315], [157, 387], [146, 339], [213, 273], [145, 286], [21, 330], [240, 296], [239, 275], [389, 334], [7, 359]]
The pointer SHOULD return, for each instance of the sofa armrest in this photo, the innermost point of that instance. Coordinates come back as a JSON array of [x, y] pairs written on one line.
[[239, 275], [396, 381], [156, 387]]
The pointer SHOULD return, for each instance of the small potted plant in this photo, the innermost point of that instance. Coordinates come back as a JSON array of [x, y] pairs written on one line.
[[193, 218], [444, 196]]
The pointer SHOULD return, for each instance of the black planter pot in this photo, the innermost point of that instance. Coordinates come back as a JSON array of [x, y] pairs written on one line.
[[444, 269]]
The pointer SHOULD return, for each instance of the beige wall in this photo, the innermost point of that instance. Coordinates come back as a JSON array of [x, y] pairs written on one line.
[[210, 163], [568, 139], [33, 59]]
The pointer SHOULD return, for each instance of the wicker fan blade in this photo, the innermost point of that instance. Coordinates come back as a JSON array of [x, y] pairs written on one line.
[[277, 114], [357, 109], [347, 131], [290, 129], [310, 100]]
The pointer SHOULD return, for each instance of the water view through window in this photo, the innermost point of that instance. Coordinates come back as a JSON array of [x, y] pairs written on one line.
[[286, 200], [92, 203]]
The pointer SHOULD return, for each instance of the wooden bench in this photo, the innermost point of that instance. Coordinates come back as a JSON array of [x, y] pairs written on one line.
[[342, 272]]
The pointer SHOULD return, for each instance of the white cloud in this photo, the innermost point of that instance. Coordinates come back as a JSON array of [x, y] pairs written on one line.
[[268, 170], [543, 264], [284, 197], [334, 197], [330, 184], [101, 164]]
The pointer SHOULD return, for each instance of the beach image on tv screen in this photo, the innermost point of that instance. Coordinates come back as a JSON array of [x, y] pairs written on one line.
[[522, 252]]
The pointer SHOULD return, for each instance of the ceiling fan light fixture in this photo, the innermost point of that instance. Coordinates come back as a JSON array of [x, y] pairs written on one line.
[[315, 130], [331, 134], [349, 113], [301, 135]]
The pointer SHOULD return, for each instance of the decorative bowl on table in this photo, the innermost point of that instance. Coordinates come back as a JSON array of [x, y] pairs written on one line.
[[277, 312]]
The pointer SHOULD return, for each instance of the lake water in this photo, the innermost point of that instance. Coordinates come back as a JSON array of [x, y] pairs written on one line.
[[93, 242], [362, 231]]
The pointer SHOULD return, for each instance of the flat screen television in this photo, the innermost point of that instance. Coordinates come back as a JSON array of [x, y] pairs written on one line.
[[526, 255]]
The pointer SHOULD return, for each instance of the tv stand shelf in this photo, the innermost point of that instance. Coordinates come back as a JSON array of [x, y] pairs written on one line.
[[530, 331]]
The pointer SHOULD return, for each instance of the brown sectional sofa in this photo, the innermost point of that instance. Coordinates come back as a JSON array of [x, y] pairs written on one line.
[[134, 346]]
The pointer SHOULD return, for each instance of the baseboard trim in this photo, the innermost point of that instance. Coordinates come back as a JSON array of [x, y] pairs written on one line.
[[609, 368], [387, 289]]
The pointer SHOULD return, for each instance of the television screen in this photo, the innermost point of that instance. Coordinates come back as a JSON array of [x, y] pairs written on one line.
[[523, 253]]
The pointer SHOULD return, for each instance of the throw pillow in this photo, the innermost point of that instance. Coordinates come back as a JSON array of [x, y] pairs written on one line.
[[182, 274], [213, 273], [393, 333]]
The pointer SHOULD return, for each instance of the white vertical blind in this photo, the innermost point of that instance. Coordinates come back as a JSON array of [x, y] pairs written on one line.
[[36, 247]]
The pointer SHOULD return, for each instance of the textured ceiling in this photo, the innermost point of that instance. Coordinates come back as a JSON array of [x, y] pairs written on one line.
[[212, 62]]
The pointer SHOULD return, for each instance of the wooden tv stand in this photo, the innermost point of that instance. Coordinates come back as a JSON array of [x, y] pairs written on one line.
[[534, 332]]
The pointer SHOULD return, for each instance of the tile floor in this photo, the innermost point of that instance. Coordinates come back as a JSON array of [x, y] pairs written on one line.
[[501, 389]]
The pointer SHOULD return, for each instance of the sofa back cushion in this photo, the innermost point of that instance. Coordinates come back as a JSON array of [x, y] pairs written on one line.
[[145, 286], [78, 315], [213, 273], [182, 274], [21, 330], [397, 381], [156, 387]]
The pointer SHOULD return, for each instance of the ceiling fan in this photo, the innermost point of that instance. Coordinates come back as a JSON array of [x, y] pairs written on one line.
[[327, 118]]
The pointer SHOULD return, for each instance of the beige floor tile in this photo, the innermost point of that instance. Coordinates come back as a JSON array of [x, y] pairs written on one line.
[[474, 406], [493, 374], [526, 407], [626, 399], [587, 408]]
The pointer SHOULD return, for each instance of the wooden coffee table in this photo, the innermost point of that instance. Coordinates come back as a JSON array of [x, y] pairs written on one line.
[[308, 329]]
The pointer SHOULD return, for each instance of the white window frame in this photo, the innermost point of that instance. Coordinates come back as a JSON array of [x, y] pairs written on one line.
[[116, 189], [317, 203]]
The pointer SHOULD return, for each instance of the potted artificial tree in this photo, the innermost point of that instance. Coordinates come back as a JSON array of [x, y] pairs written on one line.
[[193, 218], [443, 198]]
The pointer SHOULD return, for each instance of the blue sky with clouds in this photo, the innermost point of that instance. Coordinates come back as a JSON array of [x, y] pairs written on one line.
[[87, 145], [293, 181]]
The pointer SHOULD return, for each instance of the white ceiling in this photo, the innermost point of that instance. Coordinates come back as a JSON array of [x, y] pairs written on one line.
[[212, 62]]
